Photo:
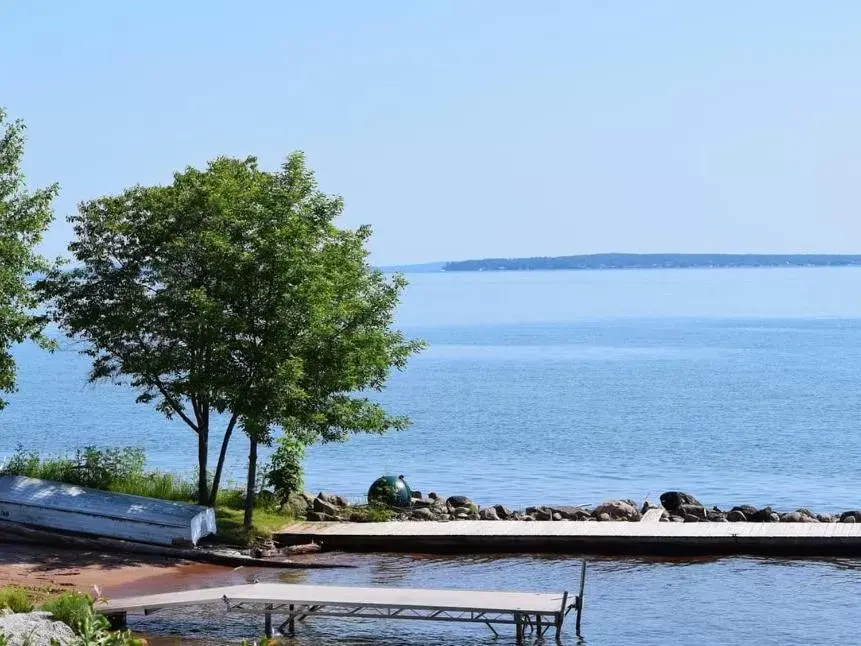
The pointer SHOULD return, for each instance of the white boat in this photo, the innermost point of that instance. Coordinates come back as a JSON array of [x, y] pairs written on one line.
[[59, 506]]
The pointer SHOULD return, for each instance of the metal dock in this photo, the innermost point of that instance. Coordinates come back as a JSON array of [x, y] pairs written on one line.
[[537, 613], [581, 537]]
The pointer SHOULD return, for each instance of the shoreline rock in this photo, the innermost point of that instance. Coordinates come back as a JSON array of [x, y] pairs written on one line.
[[677, 506]]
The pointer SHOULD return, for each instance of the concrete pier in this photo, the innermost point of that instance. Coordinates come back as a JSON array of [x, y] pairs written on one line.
[[582, 537]]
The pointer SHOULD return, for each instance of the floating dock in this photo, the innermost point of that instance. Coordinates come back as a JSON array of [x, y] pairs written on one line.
[[647, 537], [535, 612]]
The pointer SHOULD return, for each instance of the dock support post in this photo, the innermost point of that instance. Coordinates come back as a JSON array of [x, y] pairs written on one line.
[[518, 622], [267, 625], [560, 617], [117, 620], [291, 626], [580, 596]]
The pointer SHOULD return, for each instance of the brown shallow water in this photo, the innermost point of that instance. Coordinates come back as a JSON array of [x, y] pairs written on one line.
[[735, 600]]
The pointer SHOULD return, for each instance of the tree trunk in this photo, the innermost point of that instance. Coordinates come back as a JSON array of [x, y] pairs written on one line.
[[219, 468], [202, 458], [251, 487]]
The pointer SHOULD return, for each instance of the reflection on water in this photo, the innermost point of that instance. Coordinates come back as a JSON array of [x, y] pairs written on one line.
[[644, 601]]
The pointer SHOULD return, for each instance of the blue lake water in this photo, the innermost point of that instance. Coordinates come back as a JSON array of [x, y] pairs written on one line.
[[740, 386]]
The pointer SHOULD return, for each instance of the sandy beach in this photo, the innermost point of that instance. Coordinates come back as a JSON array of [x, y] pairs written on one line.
[[48, 570]]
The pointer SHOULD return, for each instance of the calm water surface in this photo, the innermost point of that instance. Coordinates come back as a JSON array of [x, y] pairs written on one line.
[[648, 603], [736, 385]]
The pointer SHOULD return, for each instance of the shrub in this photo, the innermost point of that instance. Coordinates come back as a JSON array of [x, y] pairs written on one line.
[[100, 468], [285, 468], [72, 608], [375, 513], [76, 611], [16, 599], [89, 467]]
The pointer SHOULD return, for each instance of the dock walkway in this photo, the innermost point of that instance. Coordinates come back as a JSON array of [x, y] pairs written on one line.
[[538, 612], [582, 537]]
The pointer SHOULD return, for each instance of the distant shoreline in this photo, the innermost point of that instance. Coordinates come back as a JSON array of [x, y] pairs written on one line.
[[642, 261]]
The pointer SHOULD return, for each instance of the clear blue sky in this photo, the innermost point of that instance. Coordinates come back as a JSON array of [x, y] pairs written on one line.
[[467, 129]]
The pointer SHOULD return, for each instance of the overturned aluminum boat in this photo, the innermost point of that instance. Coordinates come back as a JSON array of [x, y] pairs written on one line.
[[70, 508]]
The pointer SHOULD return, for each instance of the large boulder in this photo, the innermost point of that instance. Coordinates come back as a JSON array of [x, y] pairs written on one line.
[[736, 516], [798, 517], [35, 629], [337, 501], [323, 506], [846, 515], [617, 510], [488, 513], [764, 515], [541, 513], [503, 512], [298, 504], [672, 500], [455, 502], [692, 510], [747, 510]]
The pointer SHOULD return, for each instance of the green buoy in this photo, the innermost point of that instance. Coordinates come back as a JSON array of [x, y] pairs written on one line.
[[390, 490]]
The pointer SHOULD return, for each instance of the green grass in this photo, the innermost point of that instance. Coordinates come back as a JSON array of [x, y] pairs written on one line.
[[164, 486], [372, 514], [15, 598], [71, 608], [232, 531]]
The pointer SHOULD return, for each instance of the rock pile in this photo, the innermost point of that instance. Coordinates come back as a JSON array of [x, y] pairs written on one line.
[[683, 508], [677, 506]]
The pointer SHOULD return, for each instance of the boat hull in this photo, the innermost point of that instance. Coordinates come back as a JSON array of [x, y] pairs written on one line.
[[69, 508]]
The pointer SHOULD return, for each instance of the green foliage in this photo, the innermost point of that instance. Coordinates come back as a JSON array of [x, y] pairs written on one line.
[[372, 514], [77, 611], [16, 599], [89, 467], [232, 291], [72, 608], [284, 473], [24, 217]]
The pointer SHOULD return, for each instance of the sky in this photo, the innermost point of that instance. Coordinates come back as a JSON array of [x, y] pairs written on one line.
[[466, 129]]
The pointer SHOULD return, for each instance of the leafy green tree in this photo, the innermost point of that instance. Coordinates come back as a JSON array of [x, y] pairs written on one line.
[[24, 216], [232, 291]]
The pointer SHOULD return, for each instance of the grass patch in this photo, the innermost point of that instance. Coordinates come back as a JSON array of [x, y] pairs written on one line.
[[15, 598], [232, 531]]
